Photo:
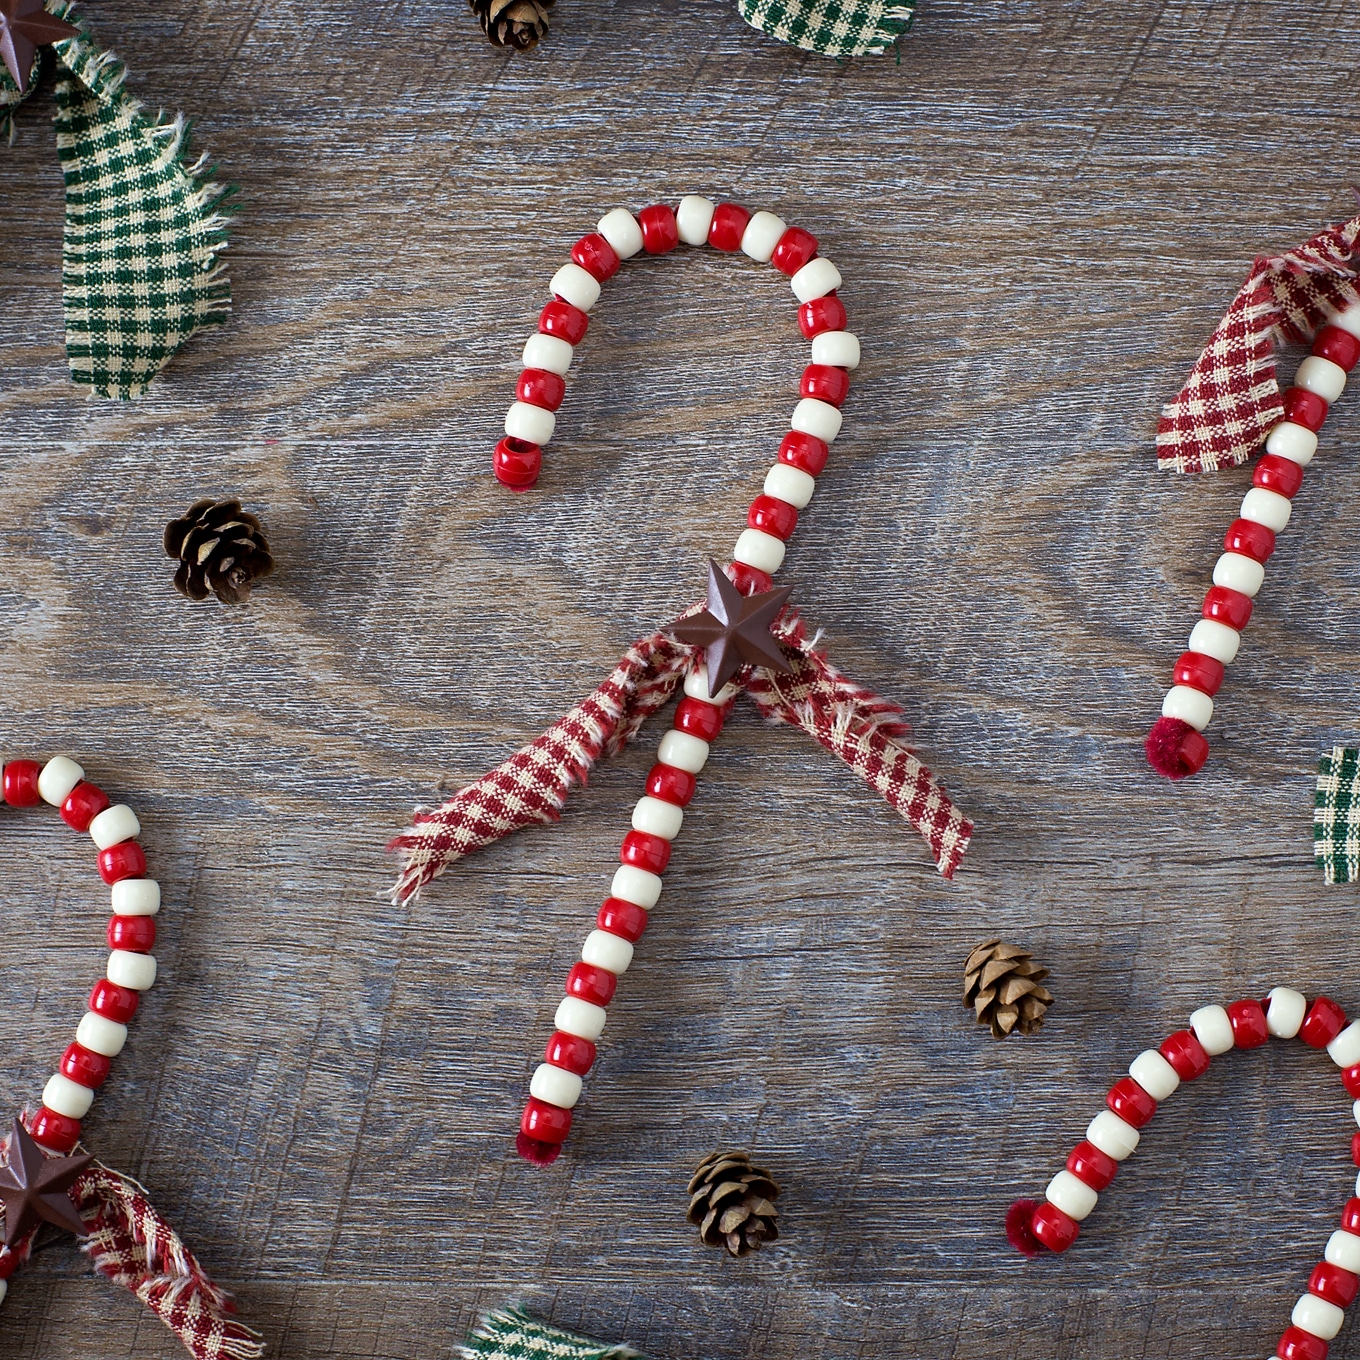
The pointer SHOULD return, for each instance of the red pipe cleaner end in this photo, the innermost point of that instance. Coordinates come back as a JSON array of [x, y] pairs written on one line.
[[1175, 749], [1019, 1233], [517, 463], [535, 1150]]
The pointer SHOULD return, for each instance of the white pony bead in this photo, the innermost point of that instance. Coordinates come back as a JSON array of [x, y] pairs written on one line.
[[59, 776], [533, 423], [581, 1018], [636, 886], [620, 228], [790, 484], [685, 752], [1266, 507], [1355, 1112], [840, 349], [1213, 1029], [1284, 1014], [1343, 1249], [136, 897], [67, 1097], [1321, 377], [656, 817], [115, 825], [1348, 319], [694, 217], [1154, 1074], [1236, 571], [548, 352], [1296, 442], [1317, 1316], [1071, 1194], [756, 549], [815, 279], [606, 950], [575, 285], [555, 1085], [817, 418], [1112, 1135], [1189, 705], [1344, 1050], [762, 235], [1216, 640], [101, 1035], [696, 687], [126, 969]]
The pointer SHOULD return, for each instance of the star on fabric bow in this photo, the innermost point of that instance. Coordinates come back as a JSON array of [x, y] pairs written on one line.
[[144, 227]]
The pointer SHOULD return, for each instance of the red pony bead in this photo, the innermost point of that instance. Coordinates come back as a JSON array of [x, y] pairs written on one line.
[[625, 919], [570, 1052], [1296, 1344], [539, 387], [83, 1067], [659, 230], [1186, 1054], [1350, 1079], [113, 1002], [1304, 408], [1350, 1216], [824, 382], [596, 256], [1200, 672], [1130, 1102], [794, 249], [1224, 605], [1248, 1021], [1280, 475], [1091, 1166], [1055, 1229], [645, 851], [83, 804], [671, 784], [544, 1122], [749, 580], [1324, 1021], [9, 1263], [1250, 539], [699, 719], [1341, 347], [126, 860], [804, 451], [821, 314], [772, 516], [517, 463], [592, 984], [137, 934], [21, 783], [1334, 1284], [728, 226], [564, 321], [1355, 1148], [56, 1132]]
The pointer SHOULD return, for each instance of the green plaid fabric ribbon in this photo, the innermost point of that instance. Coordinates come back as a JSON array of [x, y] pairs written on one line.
[[140, 273], [1336, 822], [514, 1335], [835, 28]]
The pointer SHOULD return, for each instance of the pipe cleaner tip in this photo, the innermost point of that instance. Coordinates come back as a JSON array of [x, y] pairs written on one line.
[[1175, 749], [1019, 1229], [535, 1150]]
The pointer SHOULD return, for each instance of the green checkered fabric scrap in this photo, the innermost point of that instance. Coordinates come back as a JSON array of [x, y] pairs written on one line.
[[835, 28], [1336, 822], [514, 1335]]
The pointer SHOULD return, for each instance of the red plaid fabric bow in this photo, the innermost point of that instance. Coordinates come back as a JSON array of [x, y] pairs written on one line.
[[1231, 400], [849, 720]]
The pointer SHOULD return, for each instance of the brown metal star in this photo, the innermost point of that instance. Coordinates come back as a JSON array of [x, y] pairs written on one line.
[[26, 26], [36, 1188], [734, 630]]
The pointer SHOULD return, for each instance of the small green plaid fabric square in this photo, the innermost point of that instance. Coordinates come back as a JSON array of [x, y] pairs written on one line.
[[835, 28], [1336, 821], [514, 1335]]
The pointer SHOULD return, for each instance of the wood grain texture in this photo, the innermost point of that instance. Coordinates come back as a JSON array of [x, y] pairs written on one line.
[[1040, 213]]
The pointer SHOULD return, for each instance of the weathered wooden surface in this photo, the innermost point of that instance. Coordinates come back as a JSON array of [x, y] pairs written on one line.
[[1040, 213]]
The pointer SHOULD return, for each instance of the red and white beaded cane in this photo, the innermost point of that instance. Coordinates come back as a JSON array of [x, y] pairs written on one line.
[[1113, 1135], [1229, 405], [124, 1235], [741, 637]]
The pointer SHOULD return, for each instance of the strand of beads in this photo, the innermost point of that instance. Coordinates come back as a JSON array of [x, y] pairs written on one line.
[[1113, 1135], [1176, 746], [657, 230]]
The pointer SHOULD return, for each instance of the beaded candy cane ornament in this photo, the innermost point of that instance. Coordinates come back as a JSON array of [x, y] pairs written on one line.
[[740, 641]]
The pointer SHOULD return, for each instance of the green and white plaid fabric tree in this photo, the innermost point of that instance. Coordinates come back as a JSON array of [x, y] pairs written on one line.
[[835, 28], [514, 1335], [1336, 821]]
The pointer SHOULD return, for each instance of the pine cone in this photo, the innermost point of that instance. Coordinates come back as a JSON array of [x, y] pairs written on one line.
[[730, 1200], [1003, 986], [221, 551], [513, 23]]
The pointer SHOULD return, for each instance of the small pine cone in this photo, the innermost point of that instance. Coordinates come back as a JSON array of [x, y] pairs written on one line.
[[221, 551], [1004, 987], [730, 1200], [513, 23]]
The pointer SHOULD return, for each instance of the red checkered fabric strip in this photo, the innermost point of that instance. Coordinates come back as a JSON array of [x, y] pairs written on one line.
[[1231, 400], [532, 785]]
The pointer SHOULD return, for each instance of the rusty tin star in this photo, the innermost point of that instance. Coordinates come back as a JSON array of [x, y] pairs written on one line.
[[26, 26], [36, 1188]]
